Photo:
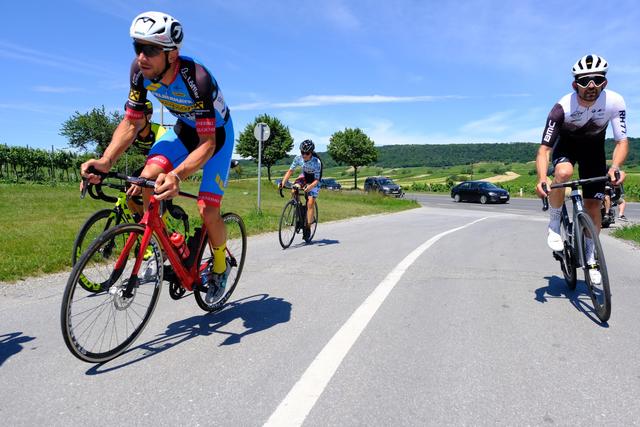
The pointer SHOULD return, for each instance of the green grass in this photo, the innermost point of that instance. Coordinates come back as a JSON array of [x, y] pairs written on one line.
[[40, 222], [629, 232]]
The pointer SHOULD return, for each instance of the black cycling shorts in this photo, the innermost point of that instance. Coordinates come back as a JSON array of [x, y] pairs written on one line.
[[591, 160]]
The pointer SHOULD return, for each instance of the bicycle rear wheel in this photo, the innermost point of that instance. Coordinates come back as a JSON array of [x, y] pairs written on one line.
[[236, 252], [314, 224], [99, 325], [599, 292], [288, 224]]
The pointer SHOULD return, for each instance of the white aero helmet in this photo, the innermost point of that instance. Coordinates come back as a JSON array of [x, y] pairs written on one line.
[[158, 28], [590, 64]]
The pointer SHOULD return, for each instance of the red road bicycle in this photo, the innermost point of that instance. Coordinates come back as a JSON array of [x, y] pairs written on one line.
[[126, 263]]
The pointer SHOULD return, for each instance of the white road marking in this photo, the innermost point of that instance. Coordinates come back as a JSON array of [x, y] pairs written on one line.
[[295, 407]]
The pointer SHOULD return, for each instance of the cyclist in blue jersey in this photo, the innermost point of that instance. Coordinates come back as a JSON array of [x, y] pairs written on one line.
[[309, 179], [202, 137], [574, 133]]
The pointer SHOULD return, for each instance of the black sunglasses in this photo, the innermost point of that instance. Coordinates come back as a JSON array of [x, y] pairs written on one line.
[[304, 153], [149, 50], [597, 80]]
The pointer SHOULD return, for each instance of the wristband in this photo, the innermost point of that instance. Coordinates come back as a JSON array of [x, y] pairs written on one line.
[[176, 175]]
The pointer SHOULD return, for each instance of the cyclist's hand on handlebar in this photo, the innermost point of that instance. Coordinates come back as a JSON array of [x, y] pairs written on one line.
[[134, 190], [616, 178], [280, 185], [101, 165], [167, 186], [540, 190]]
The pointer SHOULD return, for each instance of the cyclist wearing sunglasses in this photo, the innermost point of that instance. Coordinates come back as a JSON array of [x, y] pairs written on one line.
[[309, 179], [575, 133], [202, 137]]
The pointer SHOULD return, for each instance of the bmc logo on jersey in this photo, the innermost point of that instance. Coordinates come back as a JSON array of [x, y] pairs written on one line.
[[549, 132]]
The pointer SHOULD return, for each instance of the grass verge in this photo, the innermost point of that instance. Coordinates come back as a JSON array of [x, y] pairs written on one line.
[[629, 232], [39, 222]]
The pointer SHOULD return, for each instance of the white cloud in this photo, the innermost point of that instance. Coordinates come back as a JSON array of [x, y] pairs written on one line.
[[323, 100], [493, 124]]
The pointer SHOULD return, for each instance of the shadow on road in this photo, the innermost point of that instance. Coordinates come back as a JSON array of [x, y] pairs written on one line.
[[323, 242], [579, 298], [10, 344], [258, 312]]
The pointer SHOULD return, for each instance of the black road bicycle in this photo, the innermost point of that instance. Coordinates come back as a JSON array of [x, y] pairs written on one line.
[[294, 218], [575, 232]]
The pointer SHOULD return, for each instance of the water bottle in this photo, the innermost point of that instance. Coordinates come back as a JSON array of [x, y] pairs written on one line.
[[180, 244]]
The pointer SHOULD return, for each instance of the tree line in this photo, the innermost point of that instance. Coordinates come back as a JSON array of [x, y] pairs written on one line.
[[91, 132]]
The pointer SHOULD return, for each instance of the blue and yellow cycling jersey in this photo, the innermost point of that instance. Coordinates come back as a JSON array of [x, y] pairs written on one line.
[[193, 96]]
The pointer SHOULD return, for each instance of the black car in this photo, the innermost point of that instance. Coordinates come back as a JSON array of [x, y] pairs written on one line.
[[479, 191], [330, 184], [383, 185]]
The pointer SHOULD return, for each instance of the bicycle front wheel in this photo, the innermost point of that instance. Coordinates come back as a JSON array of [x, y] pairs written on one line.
[[598, 289], [235, 255], [288, 222], [568, 261], [99, 325]]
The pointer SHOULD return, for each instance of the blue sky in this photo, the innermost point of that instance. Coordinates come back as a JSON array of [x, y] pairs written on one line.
[[418, 72]]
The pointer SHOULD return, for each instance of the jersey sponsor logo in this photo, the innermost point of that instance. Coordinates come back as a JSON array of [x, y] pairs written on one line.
[[190, 82], [549, 132], [198, 105], [623, 121], [576, 115], [179, 94], [175, 106], [134, 95]]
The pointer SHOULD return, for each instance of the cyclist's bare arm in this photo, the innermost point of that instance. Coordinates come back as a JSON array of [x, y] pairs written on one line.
[[619, 155], [168, 185], [542, 165], [286, 177], [122, 138]]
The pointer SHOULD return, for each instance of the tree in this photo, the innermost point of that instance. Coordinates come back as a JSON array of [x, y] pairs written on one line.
[[275, 148], [93, 128], [354, 148]]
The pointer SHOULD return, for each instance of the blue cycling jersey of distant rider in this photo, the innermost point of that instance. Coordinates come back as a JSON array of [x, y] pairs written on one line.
[[311, 170], [195, 98]]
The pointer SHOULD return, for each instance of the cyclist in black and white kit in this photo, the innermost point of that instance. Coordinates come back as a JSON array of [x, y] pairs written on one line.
[[575, 132]]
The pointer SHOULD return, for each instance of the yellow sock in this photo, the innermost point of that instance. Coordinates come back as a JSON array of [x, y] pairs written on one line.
[[219, 259]]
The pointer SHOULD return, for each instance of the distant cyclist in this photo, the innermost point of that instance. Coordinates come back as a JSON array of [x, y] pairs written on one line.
[[202, 137], [309, 179], [575, 132], [148, 135]]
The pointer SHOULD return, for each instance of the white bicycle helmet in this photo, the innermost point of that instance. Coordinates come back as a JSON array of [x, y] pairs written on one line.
[[158, 28], [590, 64]]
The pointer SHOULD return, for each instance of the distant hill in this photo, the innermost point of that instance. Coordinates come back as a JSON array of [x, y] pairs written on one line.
[[438, 155]]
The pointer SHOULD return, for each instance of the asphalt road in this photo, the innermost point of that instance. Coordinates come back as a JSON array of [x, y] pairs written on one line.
[[451, 314]]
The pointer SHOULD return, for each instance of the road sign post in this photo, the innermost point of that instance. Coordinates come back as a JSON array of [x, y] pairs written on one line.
[[261, 133]]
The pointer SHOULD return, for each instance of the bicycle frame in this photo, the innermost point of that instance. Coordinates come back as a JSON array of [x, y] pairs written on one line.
[[578, 206], [152, 220]]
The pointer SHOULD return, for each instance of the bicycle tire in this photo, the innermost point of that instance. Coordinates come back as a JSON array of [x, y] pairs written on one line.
[[288, 224], [89, 231], [568, 262], [314, 225], [600, 294], [236, 252], [109, 301], [88, 224]]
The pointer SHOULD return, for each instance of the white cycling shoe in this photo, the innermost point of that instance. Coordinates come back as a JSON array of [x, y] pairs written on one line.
[[554, 240]]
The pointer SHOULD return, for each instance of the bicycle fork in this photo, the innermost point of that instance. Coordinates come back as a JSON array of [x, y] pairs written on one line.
[[124, 256]]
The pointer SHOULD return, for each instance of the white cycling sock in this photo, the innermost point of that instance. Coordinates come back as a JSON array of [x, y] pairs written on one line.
[[590, 252], [554, 219]]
